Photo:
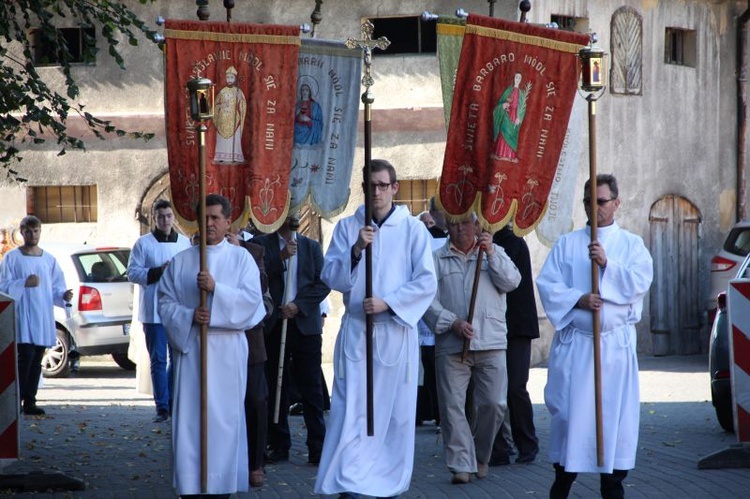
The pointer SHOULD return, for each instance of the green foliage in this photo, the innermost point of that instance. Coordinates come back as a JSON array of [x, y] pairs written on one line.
[[29, 109]]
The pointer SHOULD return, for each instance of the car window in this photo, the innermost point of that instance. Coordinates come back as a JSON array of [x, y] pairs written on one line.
[[103, 266], [738, 241]]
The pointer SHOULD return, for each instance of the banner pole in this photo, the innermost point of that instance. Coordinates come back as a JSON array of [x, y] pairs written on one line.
[[593, 207], [473, 301], [203, 300], [284, 326]]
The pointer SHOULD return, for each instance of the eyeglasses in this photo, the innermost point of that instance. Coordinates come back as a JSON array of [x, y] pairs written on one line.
[[600, 202], [382, 187]]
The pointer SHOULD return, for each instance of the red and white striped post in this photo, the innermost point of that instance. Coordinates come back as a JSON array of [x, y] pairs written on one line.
[[739, 348], [9, 408]]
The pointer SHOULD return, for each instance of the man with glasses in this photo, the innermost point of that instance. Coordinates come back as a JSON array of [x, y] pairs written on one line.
[[403, 285], [564, 283]]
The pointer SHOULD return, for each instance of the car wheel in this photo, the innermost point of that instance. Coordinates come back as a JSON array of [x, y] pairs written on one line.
[[123, 361], [55, 361], [723, 407]]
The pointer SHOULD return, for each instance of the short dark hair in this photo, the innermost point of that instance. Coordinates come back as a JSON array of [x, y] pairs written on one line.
[[603, 179], [214, 199], [30, 221], [379, 165], [161, 204]]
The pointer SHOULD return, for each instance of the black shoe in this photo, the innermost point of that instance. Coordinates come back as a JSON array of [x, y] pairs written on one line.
[[33, 410], [274, 456], [313, 457], [296, 409], [526, 458], [501, 460], [161, 416]]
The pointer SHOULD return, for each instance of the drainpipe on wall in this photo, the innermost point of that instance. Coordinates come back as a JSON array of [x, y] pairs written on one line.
[[741, 110]]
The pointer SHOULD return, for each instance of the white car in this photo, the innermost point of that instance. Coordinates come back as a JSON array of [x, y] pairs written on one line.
[[97, 322], [725, 263]]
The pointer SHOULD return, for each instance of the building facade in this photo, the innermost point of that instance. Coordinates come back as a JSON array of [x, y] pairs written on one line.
[[666, 127]]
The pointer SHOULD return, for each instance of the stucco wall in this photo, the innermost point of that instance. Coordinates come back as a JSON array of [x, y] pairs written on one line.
[[678, 137]]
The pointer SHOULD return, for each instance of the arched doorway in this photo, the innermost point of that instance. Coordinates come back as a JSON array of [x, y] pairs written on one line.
[[675, 230]]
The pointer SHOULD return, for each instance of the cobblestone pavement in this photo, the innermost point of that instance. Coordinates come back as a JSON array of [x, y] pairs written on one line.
[[98, 429]]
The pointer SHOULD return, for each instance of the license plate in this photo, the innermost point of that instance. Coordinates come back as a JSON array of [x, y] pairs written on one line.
[[126, 329]]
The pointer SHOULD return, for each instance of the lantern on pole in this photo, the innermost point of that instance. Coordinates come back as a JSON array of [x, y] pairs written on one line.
[[593, 81], [201, 92], [201, 98], [593, 70]]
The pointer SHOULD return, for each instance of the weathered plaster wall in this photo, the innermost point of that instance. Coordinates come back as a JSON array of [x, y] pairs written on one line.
[[676, 138]]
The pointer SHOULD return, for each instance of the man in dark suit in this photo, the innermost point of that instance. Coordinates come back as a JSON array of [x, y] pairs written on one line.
[[299, 306], [256, 393], [523, 326]]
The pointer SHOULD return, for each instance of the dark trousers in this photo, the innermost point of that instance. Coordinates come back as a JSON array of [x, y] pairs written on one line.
[[29, 371], [520, 409], [610, 484], [305, 350], [427, 398], [256, 414]]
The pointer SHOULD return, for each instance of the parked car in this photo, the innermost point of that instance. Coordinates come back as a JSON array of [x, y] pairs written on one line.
[[97, 322], [719, 356], [718, 366], [724, 264]]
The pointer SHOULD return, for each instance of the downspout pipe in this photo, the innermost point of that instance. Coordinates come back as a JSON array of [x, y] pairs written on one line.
[[742, 30]]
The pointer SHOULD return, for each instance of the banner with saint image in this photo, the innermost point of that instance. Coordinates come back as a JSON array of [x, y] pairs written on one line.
[[325, 125], [250, 138], [514, 90]]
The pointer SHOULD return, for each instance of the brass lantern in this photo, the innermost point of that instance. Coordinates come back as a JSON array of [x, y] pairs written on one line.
[[201, 98], [593, 70]]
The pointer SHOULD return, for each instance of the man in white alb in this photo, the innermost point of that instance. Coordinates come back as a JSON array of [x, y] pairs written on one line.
[[564, 283], [34, 279], [403, 286], [234, 304]]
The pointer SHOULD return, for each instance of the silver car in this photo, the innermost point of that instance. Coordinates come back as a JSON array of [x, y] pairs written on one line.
[[97, 321]]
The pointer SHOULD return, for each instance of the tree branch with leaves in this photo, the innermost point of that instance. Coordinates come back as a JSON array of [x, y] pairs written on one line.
[[30, 111]]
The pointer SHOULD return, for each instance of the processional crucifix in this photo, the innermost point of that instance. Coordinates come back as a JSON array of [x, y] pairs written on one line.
[[367, 44]]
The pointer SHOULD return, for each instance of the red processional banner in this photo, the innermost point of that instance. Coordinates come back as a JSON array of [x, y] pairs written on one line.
[[250, 138], [514, 90]]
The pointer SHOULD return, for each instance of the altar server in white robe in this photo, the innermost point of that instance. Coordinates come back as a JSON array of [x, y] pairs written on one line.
[[564, 283], [404, 284], [34, 279], [235, 303]]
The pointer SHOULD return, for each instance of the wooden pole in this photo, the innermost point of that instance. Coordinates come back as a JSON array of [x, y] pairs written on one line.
[[202, 128], [472, 303], [282, 347], [593, 208], [368, 99]]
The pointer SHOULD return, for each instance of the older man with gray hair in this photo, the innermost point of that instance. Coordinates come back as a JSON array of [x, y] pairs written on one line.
[[468, 452]]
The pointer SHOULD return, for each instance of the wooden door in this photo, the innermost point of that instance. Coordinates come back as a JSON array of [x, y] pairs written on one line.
[[675, 230]]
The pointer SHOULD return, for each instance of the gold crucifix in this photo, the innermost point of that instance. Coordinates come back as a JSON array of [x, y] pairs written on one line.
[[366, 44]]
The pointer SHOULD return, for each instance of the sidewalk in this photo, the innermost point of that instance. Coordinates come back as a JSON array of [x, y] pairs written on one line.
[[99, 429]]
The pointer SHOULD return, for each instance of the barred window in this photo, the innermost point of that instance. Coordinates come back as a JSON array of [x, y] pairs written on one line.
[[81, 43], [416, 194], [63, 203]]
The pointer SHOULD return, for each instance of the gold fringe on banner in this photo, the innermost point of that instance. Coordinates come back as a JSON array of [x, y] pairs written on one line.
[[231, 37], [537, 41]]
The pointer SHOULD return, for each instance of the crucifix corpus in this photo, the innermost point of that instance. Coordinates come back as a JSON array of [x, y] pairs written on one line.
[[366, 44]]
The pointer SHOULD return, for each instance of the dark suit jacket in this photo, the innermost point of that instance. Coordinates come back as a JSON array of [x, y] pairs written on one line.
[[310, 289], [255, 339], [520, 315]]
